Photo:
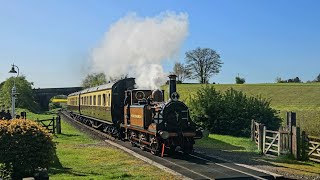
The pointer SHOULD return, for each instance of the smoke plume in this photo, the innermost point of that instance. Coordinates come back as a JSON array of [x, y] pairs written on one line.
[[137, 46]]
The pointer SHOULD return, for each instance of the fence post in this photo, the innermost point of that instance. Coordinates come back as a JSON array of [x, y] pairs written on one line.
[[53, 126], [304, 146], [58, 119], [291, 121], [295, 142], [252, 130], [262, 138], [279, 141]]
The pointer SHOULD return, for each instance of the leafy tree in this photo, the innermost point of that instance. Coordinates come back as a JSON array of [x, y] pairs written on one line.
[[94, 79], [231, 112], [203, 63], [181, 71], [293, 80], [317, 78], [25, 98], [279, 80], [297, 80], [240, 80]]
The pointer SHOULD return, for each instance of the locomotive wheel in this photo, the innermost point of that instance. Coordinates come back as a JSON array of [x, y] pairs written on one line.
[[188, 148], [142, 138], [132, 142], [154, 146]]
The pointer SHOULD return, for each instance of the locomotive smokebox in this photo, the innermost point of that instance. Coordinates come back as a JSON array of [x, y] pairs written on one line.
[[172, 84]]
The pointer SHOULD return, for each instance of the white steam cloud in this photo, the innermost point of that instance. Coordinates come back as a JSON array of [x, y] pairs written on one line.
[[137, 46]]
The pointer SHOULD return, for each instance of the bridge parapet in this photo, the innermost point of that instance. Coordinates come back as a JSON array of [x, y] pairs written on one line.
[[43, 95]]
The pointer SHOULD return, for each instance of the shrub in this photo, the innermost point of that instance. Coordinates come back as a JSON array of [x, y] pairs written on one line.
[[231, 112], [26, 145], [5, 171], [240, 80]]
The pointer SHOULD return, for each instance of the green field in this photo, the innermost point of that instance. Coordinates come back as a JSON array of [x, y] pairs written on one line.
[[302, 98]]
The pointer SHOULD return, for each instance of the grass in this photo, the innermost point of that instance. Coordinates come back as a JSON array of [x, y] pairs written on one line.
[[34, 116], [227, 143], [80, 157], [302, 98]]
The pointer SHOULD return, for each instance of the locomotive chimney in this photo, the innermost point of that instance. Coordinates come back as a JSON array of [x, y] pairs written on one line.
[[172, 84]]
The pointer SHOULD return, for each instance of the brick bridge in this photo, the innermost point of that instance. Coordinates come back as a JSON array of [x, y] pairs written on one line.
[[43, 96]]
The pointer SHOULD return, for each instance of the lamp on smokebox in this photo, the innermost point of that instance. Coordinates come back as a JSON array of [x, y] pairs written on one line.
[[14, 90]]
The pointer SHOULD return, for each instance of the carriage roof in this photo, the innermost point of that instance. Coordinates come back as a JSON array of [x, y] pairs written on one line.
[[93, 89]]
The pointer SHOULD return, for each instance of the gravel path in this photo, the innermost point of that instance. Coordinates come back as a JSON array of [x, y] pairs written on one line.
[[260, 162]]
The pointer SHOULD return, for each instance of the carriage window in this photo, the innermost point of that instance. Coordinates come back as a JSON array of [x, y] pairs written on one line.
[[94, 100], [109, 100], [99, 100], [90, 100], [104, 99]]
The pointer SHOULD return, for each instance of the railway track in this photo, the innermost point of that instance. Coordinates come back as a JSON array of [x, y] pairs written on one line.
[[193, 166]]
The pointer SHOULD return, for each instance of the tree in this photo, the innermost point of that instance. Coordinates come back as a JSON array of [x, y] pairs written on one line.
[[297, 80], [279, 80], [230, 112], [94, 79], [240, 80], [203, 63], [317, 78], [181, 71], [25, 98], [293, 80]]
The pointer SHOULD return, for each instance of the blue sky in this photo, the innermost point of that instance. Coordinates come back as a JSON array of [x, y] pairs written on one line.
[[51, 41]]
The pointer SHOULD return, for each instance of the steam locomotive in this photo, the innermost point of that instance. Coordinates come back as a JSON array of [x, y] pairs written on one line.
[[140, 116]]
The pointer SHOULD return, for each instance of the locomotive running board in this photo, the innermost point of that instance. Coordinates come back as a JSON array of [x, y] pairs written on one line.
[[138, 129], [108, 122]]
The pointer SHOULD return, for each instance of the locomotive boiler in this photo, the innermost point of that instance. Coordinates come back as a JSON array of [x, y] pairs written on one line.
[[140, 116]]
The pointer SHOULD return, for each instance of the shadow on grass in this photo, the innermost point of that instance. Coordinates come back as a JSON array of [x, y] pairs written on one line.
[[218, 145], [57, 168], [69, 135]]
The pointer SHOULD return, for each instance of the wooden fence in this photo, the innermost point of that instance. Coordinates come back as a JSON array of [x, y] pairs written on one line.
[[53, 125], [314, 148], [287, 140]]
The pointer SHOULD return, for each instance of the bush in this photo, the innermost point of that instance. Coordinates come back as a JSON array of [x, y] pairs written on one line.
[[240, 80], [231, 112], [26, 145], [5, 171]]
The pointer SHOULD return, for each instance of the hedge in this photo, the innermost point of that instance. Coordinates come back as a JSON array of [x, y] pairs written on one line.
[[26, 145]]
